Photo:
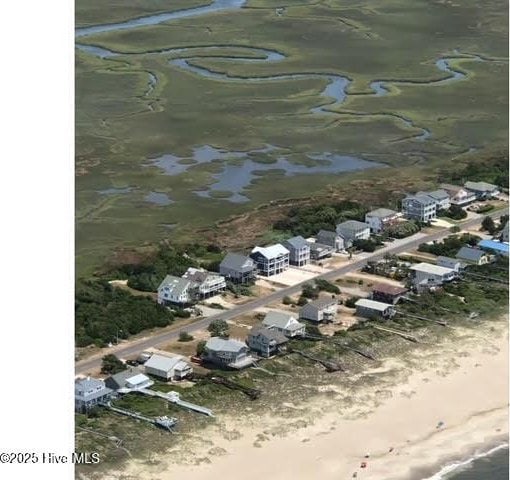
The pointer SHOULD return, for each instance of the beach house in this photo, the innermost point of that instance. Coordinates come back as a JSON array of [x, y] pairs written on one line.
[[419, 207], [128, 380], [448, 262], [425, 275], [458, 195], [271, 260], [285, 323], [299, 251], [227, 353], [383, 292], [331, 239], [381, 218], [352, 230], [168, 367], [319, 251], [372, 309], [175, 290], [89, 392], [322, 310], [238, 268], [482, 190], [266, 341], [497, 248], [441, 198], [204, 284], [473, 256]]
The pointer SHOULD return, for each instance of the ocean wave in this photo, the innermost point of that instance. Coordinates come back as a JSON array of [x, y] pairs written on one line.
[[443, 474]]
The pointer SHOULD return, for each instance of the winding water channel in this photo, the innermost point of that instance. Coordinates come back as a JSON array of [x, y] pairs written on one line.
[[235, 178]]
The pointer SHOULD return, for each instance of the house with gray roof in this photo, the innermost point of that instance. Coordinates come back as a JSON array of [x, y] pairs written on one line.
[[425, 275], [322, 310], [299, 251], [319, 251], [448, 262], [227, 353], [458, 195], [238, 268], [482, 190], [128, 380], [285, 323], [331, 239], [381, 218], [168, 367], [419, 207], [271, 260], [89, 392], [352, 230], [440, 196], [175, 290], [266, 341], [372, 309], [473, 256], [204, 284]]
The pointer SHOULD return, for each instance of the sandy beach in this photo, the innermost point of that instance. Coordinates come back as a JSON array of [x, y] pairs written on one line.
[[436, 405]]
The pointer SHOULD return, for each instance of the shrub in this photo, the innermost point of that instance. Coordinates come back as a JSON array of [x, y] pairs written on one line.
[[287, 300], [326, 286], [111, 365], [489, 225], [185, 337], [218, 328], [309, 291], [302, 301], [351, 302], [454, 212], [201, 347]]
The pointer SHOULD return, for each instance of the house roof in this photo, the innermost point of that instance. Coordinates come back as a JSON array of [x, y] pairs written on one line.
[[237, 261], [423, 199], [442, 258], [199, 275], [436, 194], [272, 251], [451, 188], [137, 379], [297, 242], [281, 320], [372, 304], [120, 378], [472, 254], [327, 235], [176, 285], [88, 383], [319, 304], [432, 269], [222, 345], [269, 333], [352, 225], [481, 186], [162, 362], [319, 247], [389, 289], [493, 245], [381, 213]]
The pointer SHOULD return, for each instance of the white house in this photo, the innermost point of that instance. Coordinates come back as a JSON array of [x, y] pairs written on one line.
[[205, 284], [271, 260], [319, 310], [352, 230], [175, 290], [89, 392], [426, 275], [458, 196], [448, 262], [168, 367], [381, 218], [441, 197], [284, 323]]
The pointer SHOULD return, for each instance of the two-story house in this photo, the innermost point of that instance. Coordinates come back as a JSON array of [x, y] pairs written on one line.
[[205, 284], [419, 207], [89, 392], [482, 190], [331, 239], [238, 268], [381, 218], [175, 291], [473, 256], [426, 275], [271, 260], [168, 367], [299, 251], [352, 230], [322, 310], [266, 341], [458, 196], [440, 196]]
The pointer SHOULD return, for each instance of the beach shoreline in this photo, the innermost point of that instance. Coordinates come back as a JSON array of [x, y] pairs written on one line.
[[447, 405]]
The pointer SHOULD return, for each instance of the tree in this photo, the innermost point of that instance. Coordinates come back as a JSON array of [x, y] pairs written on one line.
[[185, 337], [302, 301], [201, 347], [309, 291], [351, 302], [287, 300], [111, 364], [218, 328], [489, 225]]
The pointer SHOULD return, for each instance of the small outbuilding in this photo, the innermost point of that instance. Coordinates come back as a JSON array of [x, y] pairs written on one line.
[[391, 294]]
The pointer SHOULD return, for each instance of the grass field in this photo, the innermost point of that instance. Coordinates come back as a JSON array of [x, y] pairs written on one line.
[[122, 121]]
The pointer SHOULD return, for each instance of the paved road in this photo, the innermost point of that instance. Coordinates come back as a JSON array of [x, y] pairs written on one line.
[[398, 246]]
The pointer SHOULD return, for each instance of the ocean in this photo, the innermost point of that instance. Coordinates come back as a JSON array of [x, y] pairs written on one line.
[[492, 465]]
